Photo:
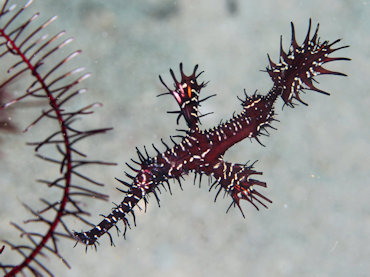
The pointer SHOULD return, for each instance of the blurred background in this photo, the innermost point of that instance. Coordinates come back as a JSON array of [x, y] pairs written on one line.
[[316, 164]]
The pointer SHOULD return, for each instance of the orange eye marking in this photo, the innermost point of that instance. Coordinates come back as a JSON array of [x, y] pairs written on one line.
[[189, 91]]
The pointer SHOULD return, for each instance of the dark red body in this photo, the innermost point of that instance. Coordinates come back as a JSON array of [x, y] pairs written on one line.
[[201, 151]]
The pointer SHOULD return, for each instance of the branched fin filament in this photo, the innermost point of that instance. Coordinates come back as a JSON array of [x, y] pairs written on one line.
[[298, 67]]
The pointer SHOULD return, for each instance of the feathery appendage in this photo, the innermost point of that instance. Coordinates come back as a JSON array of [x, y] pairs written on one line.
[[201, 152], [35, 56]]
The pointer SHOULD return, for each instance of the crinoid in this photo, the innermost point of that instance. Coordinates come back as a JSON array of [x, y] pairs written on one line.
[[35, 57], [201, 151]]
